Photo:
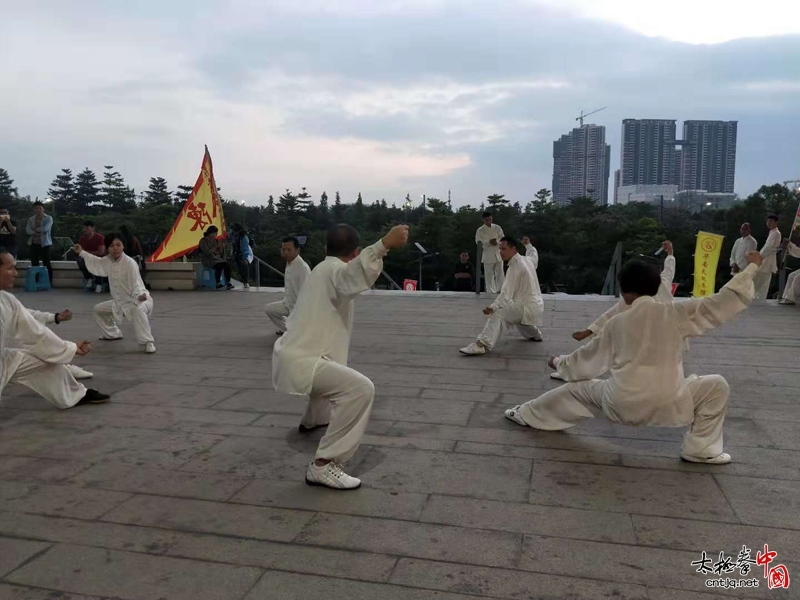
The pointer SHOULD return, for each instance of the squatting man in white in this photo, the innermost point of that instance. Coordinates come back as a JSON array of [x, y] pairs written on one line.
[[130, 299], [791, 293], [642, 349], [297, 270], [34, 356], [519, 303], [488, 236], [311, 357]]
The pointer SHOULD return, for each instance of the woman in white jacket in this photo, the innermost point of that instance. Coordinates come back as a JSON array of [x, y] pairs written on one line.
[[131, 300]]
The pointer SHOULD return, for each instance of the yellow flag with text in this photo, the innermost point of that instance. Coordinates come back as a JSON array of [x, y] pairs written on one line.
[[706, 258], [202, 209]]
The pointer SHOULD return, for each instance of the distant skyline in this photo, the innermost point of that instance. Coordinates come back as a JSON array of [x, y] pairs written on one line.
[[409, 96]]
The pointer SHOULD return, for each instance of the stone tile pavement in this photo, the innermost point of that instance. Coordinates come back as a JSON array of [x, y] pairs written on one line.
[[189, 484]]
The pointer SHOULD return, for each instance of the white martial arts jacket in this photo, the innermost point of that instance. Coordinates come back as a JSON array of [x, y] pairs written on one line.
[[741, 248], [322, 320], [123, 278], [521, 287], [490, 254], [18, 328], [770, 251], [294, 277], [664, 296], [793, 250], [641, 348]]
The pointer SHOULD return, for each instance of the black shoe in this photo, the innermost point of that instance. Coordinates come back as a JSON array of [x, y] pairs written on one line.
[[220, 286], [94, 397], [229, 286], [304, 429]]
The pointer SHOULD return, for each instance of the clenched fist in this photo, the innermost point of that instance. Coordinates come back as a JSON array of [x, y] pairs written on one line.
[[397, 237]]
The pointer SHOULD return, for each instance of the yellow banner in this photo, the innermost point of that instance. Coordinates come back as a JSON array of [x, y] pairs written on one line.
[[202, 209], [706, 258]]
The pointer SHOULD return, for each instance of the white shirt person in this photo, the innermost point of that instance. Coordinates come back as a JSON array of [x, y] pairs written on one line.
[[741, 248], [488, 236], [297, 270], [519, 303], [130, 299], [791, 293]]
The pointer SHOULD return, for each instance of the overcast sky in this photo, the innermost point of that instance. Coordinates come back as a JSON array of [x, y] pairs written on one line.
[[409, 96]]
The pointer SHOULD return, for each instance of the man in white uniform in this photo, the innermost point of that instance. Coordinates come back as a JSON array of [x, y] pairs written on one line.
[[295, 275], [741, 248], [130, 299], [311, 357], [46, 318], [642, 349], [519, 303], [791, 292], [488, 236], [34, 356], [769, 253]]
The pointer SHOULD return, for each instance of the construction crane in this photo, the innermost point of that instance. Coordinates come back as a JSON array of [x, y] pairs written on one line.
[[580, 118]]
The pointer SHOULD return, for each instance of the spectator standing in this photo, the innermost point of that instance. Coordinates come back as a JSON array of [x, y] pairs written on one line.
[[38, 228], [463, 274], [95, 244], [242, 252], [8, 233], [211, 257]]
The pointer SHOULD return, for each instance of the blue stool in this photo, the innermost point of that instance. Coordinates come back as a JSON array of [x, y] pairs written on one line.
[[36, 279], [208, 280]]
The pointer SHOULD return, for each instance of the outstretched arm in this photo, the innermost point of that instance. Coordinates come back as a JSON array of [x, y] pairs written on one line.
[[587, 362], [361, 272]]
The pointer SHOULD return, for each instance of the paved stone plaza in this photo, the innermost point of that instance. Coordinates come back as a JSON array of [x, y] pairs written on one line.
[[189, 484]]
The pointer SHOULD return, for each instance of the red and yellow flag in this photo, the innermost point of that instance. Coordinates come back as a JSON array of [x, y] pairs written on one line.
[[202, 209]]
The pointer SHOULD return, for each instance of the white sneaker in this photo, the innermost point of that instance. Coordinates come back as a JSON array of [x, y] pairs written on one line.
[[332, 476], [720, 459], [246, 286], [150, 348], [473, 349], [512, 414], [79, 373], [98, 289], [556, 375], [785, 302]]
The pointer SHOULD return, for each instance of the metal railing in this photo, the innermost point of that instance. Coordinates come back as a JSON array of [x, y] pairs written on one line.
[[478, 265], [258, 262]]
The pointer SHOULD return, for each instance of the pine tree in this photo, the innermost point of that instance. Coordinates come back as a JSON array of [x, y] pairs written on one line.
[[303, 201], [497, 200], [87, 192], [116, 195], [271, 205], [323, 203], [182, 194], [338, 208], [158, 193], [62, 191], [287, 203], [7, 190]]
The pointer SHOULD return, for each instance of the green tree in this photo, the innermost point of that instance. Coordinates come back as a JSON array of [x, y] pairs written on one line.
[[117, 196], [7, 190], [287, 203], [338, 208], [87, 192], [182, 194], [158, 193], [304, 202], [496, 201], [271, 205], [62, 191]]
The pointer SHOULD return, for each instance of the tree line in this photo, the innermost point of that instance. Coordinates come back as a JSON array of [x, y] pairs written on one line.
[[575, 242]]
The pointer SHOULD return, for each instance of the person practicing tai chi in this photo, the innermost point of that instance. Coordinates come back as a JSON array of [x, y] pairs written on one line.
[[34, 356], [791, 292], [311, 357], [519, 303], [642, 349], [741, 248], [46, 318], [488, 236], [130, 298], [769, 252], [297, 270]]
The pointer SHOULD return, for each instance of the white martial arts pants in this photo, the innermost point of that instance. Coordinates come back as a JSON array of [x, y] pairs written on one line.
[[505, 317], [792, 290], [571, 403], [494, 276], [277, 313], [761, 282], [52, 382], [341, 397], [104, 315]]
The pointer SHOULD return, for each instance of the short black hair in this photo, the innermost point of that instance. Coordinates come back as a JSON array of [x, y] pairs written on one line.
[[38, 203], [343, 240], [290, 239], [213, 229], [639, 277], [512, 242], [3, 252], [773, 218], [88, 223], [110, 237], [486, 214]]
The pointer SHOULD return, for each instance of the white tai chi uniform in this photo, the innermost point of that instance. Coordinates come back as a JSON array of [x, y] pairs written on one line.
[[792, 290], [46, 318], [770, 265], [490, 256], [741, 248], [40, 366], [126, 287], [311, 358], [519, 303], [294, 277], [642, 349]]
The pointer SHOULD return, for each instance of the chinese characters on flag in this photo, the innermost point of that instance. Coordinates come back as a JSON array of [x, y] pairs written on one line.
[[706, 258]]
